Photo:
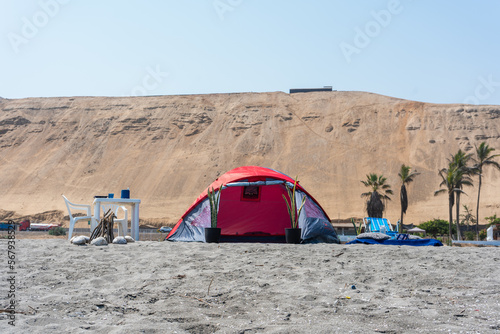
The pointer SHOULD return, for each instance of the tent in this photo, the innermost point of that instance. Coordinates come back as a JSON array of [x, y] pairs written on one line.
[[252, 209]]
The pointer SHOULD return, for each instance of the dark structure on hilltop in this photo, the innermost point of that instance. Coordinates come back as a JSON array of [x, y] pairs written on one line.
[[307, 90]]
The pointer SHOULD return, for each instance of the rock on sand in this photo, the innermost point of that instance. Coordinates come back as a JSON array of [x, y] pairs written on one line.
[[120, 240], [99, 242]]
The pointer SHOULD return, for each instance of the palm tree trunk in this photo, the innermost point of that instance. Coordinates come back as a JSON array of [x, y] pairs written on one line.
[[450, 209], [404, 205], [477, 208], [458, 216], [400, 227]]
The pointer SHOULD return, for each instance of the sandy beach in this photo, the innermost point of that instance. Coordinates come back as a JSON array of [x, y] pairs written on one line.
[[164, 287]]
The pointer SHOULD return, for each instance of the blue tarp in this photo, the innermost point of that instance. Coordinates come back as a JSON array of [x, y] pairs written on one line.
[[409, 242]]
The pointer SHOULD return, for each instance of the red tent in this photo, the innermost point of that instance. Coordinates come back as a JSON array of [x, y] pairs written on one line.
[[252, 209]]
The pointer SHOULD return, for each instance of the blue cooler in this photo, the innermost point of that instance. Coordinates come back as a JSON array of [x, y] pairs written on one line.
[[125, 193]]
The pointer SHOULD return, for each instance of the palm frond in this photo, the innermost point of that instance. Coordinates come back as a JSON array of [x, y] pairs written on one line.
[[437, 192], [492, 163]]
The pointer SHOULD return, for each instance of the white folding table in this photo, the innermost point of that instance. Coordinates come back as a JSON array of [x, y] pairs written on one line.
[[134, 203]]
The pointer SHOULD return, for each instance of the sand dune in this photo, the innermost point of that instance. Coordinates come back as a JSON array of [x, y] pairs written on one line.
[[167, 149], [164, 287]]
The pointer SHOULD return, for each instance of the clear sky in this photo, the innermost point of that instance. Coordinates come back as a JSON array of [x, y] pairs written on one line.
[[431, 51]]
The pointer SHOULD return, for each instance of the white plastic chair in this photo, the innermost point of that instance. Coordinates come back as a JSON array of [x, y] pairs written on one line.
[[122, 223], [489, 233], [73, 220]]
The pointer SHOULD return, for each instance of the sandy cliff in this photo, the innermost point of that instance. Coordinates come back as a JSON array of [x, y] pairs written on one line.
[[167, 149]]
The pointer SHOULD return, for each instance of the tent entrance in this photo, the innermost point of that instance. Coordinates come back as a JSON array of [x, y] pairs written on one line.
[[264, 214]]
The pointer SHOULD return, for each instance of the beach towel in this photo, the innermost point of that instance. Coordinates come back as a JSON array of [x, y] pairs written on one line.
[[408, 242]]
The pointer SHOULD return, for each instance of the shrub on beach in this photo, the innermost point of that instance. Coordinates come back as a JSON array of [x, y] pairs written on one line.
[[482, 235], [437, 227], [57, 231], [493, 220], [469, 235]]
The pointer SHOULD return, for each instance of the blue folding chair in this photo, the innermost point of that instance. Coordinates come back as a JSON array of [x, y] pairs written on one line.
[[381, 225]]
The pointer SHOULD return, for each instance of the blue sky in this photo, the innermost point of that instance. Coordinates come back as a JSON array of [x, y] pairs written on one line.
[[440, 52]]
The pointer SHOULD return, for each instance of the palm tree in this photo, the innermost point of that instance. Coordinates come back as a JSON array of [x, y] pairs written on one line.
[[448, 176], [455, 177], [406, 176], [460, 161], [483, 158], [462, 179], [379, 194]]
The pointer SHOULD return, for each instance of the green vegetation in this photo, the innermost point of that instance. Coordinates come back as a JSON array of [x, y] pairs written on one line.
[[378, 195], [57, 231], [291, 206], [469, 235], [482, 235], [467, 218], [493, 220], [356, 229], [436, 227], [214, 198], [406, 176]]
